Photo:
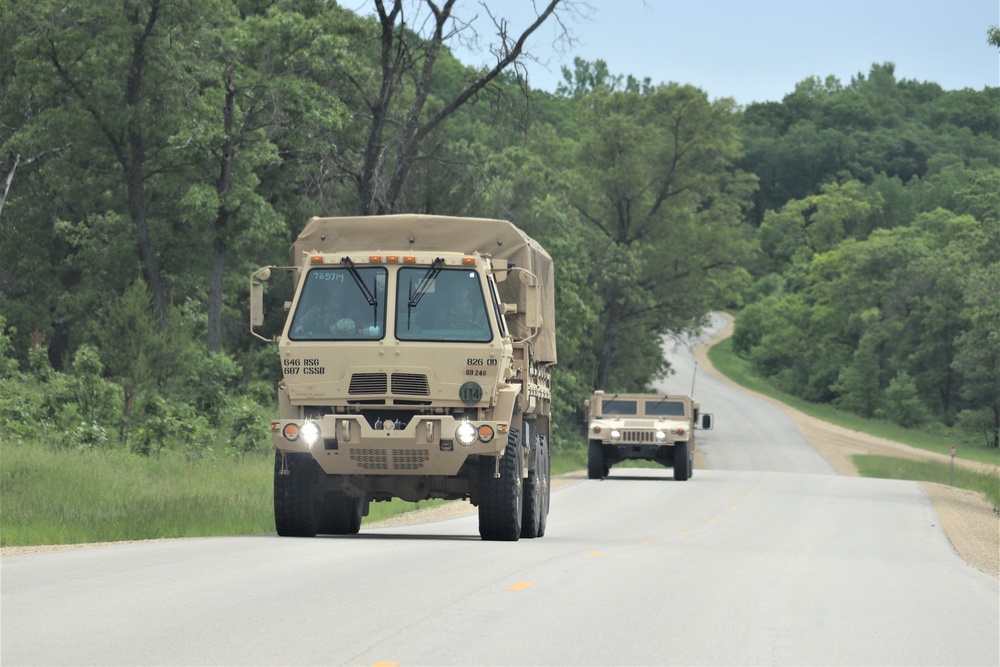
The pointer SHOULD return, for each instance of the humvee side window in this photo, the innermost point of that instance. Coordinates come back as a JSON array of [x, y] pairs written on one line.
[[450, 307], [664, 409], [332, 307], [619, 406]]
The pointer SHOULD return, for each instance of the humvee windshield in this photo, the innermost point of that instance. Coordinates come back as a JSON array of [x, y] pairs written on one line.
[[619, 406], [441, 305], [664, 409], [333, 306]]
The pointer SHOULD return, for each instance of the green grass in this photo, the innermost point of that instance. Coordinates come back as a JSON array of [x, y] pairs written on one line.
[[892, 467], [935, 438], [64, 497]]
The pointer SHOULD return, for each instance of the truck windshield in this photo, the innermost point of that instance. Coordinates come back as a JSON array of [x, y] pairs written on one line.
[[331, 307], [619, 406], [664, 409], [450, 306]]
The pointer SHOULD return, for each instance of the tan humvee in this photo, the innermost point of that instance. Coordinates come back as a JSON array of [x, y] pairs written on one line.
[[653, 427], [416, 360]]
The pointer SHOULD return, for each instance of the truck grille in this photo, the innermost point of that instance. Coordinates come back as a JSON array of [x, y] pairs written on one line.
[[404, 384], [402, 459], [410, 384], [367, 383]]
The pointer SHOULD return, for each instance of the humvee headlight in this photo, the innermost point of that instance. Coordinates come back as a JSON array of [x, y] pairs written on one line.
[[616, 435], [466, 433], [661, 436], [310, 433]]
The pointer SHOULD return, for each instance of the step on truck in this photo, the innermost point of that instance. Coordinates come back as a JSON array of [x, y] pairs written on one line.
[[652, 427], [416, 359]]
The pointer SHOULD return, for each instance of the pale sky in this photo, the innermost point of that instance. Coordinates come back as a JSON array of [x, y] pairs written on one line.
[[757, 50]]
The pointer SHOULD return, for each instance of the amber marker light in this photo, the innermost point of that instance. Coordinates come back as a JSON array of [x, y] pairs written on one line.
[[316, 259], [375, 258], [291, 432], [409, 259], [469, 261], [392, 258], [485, 433], [597, 429]]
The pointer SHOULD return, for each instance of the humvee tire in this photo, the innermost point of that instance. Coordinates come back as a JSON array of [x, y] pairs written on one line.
[[536, 488], [341, 514], [501, 500], [295, 506], [682, 461], [597, 468]]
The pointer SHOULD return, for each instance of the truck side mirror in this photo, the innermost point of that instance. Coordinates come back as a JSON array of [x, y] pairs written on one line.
[[706, 422], [533, 307], [257, 296]]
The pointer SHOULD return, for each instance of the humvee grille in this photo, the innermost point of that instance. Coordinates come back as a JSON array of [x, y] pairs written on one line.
[[638, 436], [410, 384], [367, 383]]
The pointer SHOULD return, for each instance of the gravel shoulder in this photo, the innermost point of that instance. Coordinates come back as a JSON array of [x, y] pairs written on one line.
[[966, 516]]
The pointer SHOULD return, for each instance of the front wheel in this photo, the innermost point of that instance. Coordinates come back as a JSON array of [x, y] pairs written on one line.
[[597, 467], [501, 499], [682, 461], [296, 487]]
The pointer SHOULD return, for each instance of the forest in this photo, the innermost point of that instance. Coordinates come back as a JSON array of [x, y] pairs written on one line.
[[155, 153]]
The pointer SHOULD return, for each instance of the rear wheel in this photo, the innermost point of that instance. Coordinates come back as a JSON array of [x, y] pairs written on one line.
[[536, 487], [597, 467], [682, 461], [500, 499], [341, 514], [296, 487]]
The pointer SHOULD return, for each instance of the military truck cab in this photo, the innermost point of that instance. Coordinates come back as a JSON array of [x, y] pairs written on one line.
[[416, 362], [651, 427]]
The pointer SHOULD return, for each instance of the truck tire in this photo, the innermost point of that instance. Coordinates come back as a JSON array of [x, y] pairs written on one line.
[[341, 514], [536, 488], [295, 496], [501, 500], [682, 461], [597, 468]]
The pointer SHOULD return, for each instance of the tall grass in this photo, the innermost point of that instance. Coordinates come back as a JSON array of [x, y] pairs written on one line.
[[64, 497]]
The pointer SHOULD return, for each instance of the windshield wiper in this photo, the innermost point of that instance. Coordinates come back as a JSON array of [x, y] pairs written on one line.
[[425, 283], [369, 297]]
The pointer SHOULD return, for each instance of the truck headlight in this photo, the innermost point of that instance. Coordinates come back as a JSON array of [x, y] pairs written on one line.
[[310, 432], [466, 433], [616, 435], [661, 436]]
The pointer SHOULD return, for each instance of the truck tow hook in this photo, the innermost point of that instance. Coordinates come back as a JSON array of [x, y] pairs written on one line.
[[284, 466], [496, 471]]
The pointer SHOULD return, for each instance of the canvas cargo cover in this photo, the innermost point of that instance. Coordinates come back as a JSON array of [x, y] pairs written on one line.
[[402, 233]]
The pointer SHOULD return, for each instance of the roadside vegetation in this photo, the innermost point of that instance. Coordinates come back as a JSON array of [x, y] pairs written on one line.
[[853, 225]]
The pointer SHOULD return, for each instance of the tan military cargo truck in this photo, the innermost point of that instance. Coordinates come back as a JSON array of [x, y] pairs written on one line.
[[416, 358], [653, 427]]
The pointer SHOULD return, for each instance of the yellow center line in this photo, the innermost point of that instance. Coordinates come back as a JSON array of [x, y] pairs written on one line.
[[596, 553], [521, 585], [385, 664]]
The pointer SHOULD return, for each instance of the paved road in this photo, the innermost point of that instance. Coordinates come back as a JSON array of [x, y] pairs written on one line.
[[768, 558]]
